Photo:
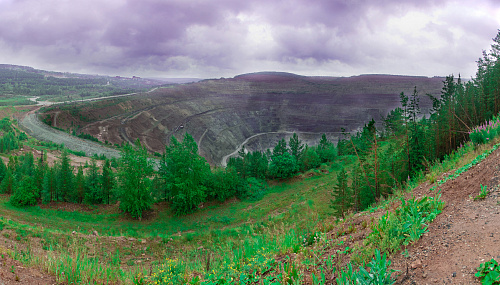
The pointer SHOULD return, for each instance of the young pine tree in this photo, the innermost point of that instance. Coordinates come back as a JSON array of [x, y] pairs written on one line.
[[107, 181], [296, 146], [80, 185], [342, 197], [65, 190], [49, 186], [93, 195]]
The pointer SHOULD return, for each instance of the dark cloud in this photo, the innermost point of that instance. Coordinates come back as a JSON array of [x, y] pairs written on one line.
[[226, 37]]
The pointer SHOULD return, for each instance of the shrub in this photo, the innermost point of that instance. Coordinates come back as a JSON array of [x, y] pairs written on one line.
[[25, 194], [252, 189], [283, 166]]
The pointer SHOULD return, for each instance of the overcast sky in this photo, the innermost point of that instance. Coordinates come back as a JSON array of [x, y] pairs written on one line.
[[223, 38]]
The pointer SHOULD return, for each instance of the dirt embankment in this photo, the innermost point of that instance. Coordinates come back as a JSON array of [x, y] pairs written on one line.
[[464, 235], [13, 272]]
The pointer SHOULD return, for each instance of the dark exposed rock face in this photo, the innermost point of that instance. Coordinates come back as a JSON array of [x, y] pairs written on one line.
[[222, 114]]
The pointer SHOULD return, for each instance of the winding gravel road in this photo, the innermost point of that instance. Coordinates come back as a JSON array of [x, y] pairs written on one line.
[[41, 131]]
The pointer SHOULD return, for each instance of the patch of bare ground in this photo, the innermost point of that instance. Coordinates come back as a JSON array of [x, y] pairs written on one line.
[[464, 235], [13, 272]]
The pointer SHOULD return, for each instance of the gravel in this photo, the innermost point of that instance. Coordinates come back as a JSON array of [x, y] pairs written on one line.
[[42, 132]]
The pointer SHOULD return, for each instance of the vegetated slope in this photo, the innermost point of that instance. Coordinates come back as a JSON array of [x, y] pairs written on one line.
[[464, 235], [63, 86], [221, 114]]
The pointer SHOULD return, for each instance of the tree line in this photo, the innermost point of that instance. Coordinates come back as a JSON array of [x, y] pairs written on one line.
[[383, 158], [409, 142]]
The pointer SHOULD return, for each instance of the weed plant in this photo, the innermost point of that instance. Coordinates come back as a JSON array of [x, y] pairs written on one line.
[[483, 193], [379, 272], [402, 227], [489, 272]]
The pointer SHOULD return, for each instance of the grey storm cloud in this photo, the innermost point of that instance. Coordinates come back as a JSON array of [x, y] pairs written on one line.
[[226, 37]]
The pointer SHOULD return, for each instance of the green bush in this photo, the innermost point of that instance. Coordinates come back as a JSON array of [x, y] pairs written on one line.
[[252, 189], [310, 159], [223, 183], [283, 166], [25, 194]]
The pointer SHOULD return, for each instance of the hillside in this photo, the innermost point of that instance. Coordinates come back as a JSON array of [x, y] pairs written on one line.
[[221, 114], [464, 235]]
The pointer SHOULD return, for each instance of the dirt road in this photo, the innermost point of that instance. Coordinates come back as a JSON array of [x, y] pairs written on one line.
[[40, 131]]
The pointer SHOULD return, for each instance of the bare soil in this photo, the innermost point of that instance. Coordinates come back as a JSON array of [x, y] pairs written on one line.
[[13, 272]]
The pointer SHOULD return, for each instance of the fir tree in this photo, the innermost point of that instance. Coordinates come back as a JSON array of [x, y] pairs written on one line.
[[342, 196]]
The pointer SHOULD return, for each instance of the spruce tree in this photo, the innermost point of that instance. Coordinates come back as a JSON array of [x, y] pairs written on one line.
[[107, 181], [93, 193], [80, 185], [3, 170], [49, 186], [7, 186], [64, 179]]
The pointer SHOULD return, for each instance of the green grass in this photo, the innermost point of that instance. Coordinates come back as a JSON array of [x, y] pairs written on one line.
[[14, 100]]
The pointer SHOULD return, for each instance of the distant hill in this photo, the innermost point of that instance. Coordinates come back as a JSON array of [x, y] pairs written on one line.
[[64, 86], [175, 80], [223, 113]]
